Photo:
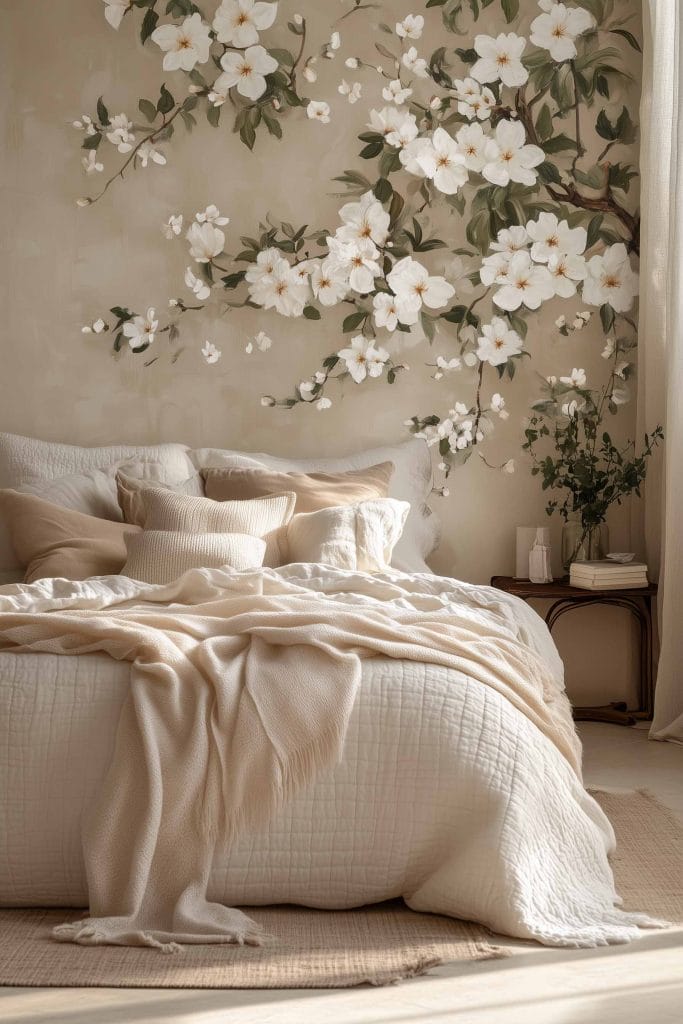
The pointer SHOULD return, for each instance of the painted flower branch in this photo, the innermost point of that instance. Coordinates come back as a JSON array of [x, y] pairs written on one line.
[[479, 132]]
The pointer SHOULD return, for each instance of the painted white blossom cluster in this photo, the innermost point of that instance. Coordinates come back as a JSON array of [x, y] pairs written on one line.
[[500, 134]]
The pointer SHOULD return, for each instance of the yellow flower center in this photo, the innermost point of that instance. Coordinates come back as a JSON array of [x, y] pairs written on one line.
[[245, 70], [184, 43], [506, 156], [502, 60]]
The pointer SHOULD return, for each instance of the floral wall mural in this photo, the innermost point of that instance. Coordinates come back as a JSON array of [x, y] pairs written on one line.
[[506, 147]]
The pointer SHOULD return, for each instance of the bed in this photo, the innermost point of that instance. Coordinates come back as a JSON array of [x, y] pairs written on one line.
[[443, 791]]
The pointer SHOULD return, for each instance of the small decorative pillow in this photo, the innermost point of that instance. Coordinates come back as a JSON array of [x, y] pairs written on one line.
[[161, 556], [313, 490], [359, 537], [260, 517], [52, 541], [130, 489]]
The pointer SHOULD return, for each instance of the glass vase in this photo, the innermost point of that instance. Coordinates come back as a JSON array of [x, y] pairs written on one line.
[[581, 543]]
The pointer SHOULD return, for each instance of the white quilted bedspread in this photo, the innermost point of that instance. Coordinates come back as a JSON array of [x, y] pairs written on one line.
[[445, 795]]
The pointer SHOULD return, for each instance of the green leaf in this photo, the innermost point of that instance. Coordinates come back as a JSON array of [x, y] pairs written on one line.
[[233, 280], [248, 134], [372, 150], [149, 23], [510, 9], [166, 102], [282, 57], [352, 321], [594, 230], [544, 124], [102, 113], [148, 110], [311, 313], [92, 141], [607, 317], [628, 36], [213, 115], [558, 143], [383, 190], [548, 172]]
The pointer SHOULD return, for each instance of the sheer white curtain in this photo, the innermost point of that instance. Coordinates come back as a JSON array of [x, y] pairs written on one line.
[[661, 339]]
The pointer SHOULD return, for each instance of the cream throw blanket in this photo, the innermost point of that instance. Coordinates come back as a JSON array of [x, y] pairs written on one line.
[[241, 689]]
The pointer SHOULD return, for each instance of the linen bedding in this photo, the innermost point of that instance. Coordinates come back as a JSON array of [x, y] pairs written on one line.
[[295, 735]]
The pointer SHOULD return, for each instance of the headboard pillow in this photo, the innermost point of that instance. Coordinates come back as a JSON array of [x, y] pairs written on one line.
[[360, 537], [161, 556], [313, 491], [27, 464], [50, 540], [411, 481]]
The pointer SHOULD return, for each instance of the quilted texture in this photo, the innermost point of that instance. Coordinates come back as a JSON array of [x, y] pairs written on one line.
[[28, 461], [361, 536], [431, 800], [161, 556], [411, 482]]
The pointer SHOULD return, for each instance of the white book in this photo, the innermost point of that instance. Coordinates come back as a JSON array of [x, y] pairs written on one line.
[[582, 584], [601, 570]]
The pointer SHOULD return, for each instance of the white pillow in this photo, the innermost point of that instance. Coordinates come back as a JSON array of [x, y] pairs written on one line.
[[28, 465], [161, 556], [411, 482], [361, 536]]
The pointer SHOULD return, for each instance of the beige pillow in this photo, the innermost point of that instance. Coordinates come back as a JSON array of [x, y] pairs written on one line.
[[52, 541], [313, 491], [359, 537], [129, 491], [260, 517], [161, 556]]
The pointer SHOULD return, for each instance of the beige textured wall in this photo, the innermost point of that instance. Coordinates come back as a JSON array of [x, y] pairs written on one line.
[[61, 266]]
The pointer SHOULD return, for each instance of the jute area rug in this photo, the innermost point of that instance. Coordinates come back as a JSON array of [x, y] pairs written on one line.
[[337, 949]]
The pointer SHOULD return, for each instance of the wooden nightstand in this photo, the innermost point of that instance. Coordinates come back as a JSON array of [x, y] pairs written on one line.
[[566, 597]]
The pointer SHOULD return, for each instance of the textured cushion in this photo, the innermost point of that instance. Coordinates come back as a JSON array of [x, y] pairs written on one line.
[[411, 482], [260, 517], [52, 541], [161, 556], [26, 464], [313, 491], [361, 536], [129, 490]]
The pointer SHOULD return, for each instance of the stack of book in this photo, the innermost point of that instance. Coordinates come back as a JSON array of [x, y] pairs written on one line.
[[606, 575]]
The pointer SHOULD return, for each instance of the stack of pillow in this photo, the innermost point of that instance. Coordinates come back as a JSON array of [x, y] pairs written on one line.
[[154, 513]]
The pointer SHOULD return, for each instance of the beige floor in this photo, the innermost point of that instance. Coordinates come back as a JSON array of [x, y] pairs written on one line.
[[636, 984]]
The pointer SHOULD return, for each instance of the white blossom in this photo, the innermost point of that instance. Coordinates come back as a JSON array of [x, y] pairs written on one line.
[[526, 283], [352, 92], [183, 45], [411, 27], [335, 41], [611, 279], [498, 342], [173, 226], [282, 290], [318, 110], [197, 285], [358, 259], [95, 328], [115, 10], [141, 329], [415, 63], [121, 134], [247, 71], [573, 408], [211, 215], [413, 287], [262, 341], [206, 241], [576, 379], [608, 351], [474, 100], [329, 282], [443, 162], [508, 156], [91, 164], [363, 359], [620, 395], [309, 72], [566, 272], [500, 59], [365, 219], [552, 237], [386, 120], [558, 29], [471, 142], [352, 63], [498, 406], [323, 403], [85, 124], [494, 269], [238, 22], [509, 466], [404, 132], [385, 311], [147, 152], [211, 353], [396, 93], [511, 240], [561, 322]]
